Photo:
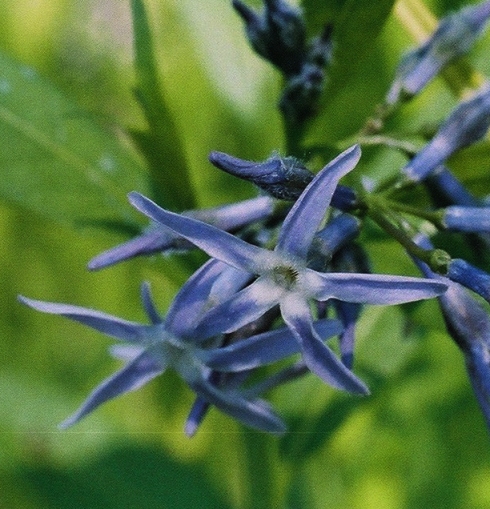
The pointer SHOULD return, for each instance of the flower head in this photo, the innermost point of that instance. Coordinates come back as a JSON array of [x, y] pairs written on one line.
[[177, 342], [283, 277]]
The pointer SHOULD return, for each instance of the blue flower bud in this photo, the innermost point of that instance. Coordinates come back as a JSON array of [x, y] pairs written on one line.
[[338, 232], [467, 124], [282, 177], [469, 276], [445, 189], [467, 219], [454, 36]]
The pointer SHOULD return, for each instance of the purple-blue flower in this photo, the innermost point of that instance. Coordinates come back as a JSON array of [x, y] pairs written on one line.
[[283, 277], [467, 124], [177, 342], [453, 37]]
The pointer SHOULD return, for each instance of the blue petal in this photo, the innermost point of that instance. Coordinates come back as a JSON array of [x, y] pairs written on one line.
[[210, 285], [256, 414], [467, 124], [374, 288], [107, 324], [245, 307], [214, 242], [133, 376], [154, 239], [198, 411], [348, 313], [305, 217], [262, 349], [317, 356], [149, 305]]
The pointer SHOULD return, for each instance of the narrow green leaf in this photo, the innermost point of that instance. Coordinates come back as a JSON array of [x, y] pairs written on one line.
[[55, 159], [161, 144]]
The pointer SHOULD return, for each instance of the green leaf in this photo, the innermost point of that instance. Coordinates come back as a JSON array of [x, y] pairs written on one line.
[[357, 27], [55, 159], [161, 144]]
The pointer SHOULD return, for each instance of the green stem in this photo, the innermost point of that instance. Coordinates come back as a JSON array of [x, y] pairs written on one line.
[[437, 259], [435, 217]]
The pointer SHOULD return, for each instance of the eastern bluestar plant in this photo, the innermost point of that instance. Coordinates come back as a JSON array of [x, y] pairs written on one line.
[[283, 277], [283, 263]]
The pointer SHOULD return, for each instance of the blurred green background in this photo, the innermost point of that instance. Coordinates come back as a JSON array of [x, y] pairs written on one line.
[[418, 441]]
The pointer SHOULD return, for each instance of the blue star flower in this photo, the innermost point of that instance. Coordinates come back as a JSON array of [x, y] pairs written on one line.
[[284, 279], [175, 342]]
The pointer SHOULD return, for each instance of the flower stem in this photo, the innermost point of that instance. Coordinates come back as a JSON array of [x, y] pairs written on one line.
[[437, 259]]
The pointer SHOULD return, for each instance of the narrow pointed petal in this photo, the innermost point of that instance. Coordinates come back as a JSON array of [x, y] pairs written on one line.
[[374, 288], [214, 242], [256, 414], [198, 411], [348, 313], [133, 376], [305, 217], [111, 325], [210, 285], [245, 307], [317, 356], [155, 239], [262, 349], [149, 305]]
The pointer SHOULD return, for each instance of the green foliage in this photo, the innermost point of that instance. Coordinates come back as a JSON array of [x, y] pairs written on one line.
[[56, 159], [161, 144], [418, 441]]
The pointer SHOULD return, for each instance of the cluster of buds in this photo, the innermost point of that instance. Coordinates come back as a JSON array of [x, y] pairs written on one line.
[[278, 34], [286, 270]]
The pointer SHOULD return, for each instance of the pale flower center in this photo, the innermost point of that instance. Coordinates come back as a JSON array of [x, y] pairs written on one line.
[[285, 276]]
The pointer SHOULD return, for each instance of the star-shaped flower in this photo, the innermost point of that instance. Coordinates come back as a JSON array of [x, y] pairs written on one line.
[[284, 278], [174, 342]]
